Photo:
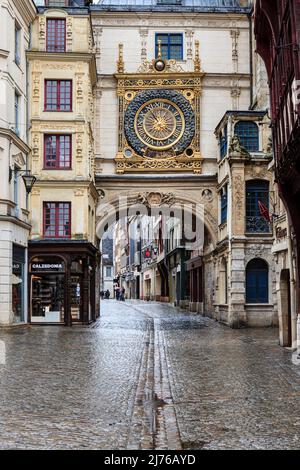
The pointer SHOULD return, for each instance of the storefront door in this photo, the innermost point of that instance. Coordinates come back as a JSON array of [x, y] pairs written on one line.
[[76, 298], [47, 290], [18, 284]]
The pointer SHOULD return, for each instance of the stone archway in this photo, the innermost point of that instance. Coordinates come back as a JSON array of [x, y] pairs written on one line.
[[122, 205], [196, 217]]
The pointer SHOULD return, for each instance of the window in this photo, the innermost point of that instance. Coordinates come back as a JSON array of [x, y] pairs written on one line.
[[56, 35], [256, 191], [257, 282], [58, 95], [247, 132], [57, 3], [108, 271], [17, 113], [57, 219], [58, 151], [224, 204], [171, 46], [17, 44], [16, 190], [169, 2], [223, 143]]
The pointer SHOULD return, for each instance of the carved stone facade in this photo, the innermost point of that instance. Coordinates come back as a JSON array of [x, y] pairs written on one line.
[[72, 184], [112, 171], [15, 19], [213, 80]]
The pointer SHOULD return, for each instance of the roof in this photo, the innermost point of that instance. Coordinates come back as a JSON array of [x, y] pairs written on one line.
[[234, 6]]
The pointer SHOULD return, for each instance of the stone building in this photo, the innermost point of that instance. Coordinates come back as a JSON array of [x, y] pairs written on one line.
[[220, 161], [15, 18], [135, 118], [64, 259]]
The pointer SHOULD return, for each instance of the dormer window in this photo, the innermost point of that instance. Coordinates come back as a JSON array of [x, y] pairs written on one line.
[[56, 35], [57, 3], [171, 46]]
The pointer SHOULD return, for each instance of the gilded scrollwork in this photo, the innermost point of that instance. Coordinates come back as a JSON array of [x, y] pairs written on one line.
[[176, 164], [168, 84]]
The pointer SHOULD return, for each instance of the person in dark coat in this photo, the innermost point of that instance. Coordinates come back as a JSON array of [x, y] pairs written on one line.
[[123, 295], [117, 293]]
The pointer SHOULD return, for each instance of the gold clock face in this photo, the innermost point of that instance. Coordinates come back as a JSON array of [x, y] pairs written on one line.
[[159, 124]]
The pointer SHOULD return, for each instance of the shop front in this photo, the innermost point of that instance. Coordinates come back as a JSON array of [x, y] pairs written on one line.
[[18, 283], [62, 287], [195, 268]]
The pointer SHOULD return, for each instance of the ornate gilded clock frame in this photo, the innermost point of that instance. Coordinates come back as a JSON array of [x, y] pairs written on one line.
[[172, 77]]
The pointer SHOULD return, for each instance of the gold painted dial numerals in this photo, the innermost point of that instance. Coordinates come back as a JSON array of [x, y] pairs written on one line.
[[159, 124]]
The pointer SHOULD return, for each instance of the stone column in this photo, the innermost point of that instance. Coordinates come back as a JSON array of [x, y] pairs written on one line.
[[236, 299]]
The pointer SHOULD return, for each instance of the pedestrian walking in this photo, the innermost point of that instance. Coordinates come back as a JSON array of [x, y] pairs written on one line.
[[117, 293], [123, 295]]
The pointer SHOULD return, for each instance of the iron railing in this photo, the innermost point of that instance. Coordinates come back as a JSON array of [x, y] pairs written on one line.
[[257, 224]]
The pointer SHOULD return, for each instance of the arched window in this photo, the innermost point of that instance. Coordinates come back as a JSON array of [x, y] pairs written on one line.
[[257, 193], [247, 132], [257, 282]]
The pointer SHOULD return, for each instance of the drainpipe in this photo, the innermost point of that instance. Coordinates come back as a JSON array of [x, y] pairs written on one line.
[[292, 287], [27, 107], [251, 60]]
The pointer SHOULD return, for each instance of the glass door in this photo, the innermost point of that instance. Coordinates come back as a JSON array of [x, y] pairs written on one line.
[[76, 298]]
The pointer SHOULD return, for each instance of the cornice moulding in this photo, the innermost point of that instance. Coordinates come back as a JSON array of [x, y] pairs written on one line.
[[67, 57], [16, 140], [27, 9]]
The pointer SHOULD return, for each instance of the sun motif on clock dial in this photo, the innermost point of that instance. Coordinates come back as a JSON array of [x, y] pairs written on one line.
[[159, 120], [159, 124]]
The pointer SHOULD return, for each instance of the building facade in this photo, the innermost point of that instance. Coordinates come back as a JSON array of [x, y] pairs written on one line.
[[277, 36], [138, 125], [16, 17], [221, 161], [63, 253]]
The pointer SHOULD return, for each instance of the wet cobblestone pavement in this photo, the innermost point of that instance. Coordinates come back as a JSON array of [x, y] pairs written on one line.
[[147, 375]]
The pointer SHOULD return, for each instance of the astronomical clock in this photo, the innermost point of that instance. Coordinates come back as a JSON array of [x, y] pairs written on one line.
[[159, 117]]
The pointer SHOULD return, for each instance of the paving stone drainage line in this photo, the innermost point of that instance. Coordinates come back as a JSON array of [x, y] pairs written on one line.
[[154, 424], [167, 435], [142, 427]]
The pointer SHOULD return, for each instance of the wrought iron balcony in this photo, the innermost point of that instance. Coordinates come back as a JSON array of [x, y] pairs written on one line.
[[257, 224]]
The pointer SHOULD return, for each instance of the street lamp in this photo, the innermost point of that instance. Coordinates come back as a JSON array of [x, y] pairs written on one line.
[[28, 178], [29, 181]]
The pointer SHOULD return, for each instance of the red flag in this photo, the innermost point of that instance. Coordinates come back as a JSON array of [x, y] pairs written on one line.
[[264, 211]]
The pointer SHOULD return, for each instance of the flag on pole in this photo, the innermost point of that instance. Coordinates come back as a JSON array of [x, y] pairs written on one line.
[[264, 211]]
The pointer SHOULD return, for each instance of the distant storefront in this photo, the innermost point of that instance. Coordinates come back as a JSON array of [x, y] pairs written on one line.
[[194, 268], [62, 283]]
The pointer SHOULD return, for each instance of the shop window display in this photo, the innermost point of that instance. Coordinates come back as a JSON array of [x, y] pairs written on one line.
[[48, 291], [18, 283]]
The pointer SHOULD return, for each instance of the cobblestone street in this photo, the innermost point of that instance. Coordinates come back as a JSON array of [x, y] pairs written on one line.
[[147, 375]]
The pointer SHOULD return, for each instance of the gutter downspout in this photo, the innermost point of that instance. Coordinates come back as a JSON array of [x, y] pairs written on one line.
[[251, 59], [28, 126]]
